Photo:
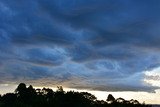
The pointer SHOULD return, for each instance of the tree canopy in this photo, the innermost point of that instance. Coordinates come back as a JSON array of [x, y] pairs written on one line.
[[29, 97]]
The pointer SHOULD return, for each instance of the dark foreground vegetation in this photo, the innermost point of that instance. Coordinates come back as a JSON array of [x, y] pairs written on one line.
[[30, 97]]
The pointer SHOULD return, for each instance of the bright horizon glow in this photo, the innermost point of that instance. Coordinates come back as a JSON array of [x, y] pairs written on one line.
[[153, 77], [148, 98]]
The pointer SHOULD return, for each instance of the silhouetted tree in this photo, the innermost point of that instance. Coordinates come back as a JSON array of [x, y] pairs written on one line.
[[60, 89], [38, 91], [88, 96], [22, 93], [21, 89], [120, 100], [110, 98], [9, 97], [134, 101], [29, 97]]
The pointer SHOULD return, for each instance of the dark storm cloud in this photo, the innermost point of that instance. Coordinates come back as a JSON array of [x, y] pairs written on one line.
[[42, 57], [68, 41]]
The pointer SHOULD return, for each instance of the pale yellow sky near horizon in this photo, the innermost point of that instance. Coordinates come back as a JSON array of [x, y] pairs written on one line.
[[148, 98]]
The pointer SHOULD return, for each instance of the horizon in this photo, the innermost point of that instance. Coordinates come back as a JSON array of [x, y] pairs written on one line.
[[94, 45], [150, 98]]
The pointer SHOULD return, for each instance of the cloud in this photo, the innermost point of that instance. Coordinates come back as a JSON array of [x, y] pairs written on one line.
[[44, 56], [80, 43]]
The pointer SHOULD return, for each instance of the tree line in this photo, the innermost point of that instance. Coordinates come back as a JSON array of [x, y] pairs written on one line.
[[29, 97]]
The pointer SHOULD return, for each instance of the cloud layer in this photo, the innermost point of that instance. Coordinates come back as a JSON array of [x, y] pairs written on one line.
[[103, 45]]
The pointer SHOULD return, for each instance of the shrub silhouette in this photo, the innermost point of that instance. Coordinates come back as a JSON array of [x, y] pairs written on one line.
[[29, 97]]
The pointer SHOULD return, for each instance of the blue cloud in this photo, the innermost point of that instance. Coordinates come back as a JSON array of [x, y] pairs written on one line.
[[80, 43], [43, 56]]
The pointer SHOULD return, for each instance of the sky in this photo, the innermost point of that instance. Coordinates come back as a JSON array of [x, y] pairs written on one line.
[[102, 45]]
